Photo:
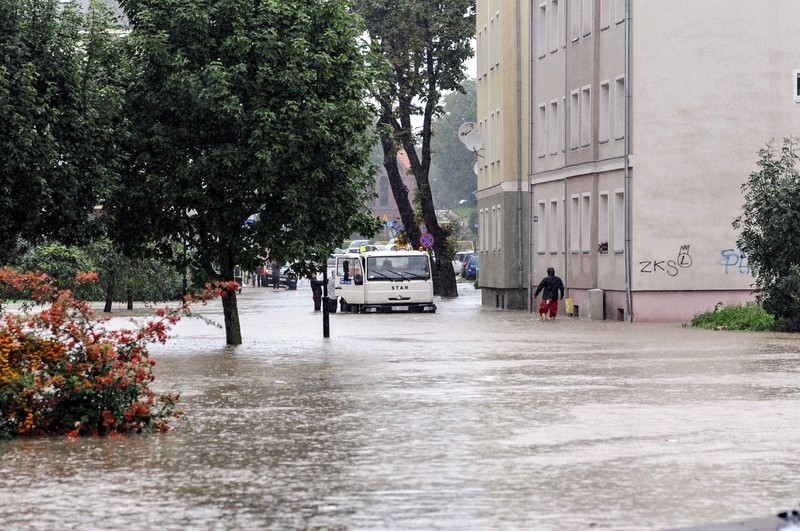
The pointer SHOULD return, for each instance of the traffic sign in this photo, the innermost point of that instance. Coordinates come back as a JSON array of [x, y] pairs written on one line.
[[426, 240]]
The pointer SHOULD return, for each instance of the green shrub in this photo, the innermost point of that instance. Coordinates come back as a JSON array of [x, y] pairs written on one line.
[[753, 318]]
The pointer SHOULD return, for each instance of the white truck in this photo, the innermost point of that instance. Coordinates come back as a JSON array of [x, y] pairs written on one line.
[[384, 281]]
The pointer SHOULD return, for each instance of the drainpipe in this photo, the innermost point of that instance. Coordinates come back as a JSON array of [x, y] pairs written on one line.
[[627, 173], [520, 232], [531, 138], [567, 41]]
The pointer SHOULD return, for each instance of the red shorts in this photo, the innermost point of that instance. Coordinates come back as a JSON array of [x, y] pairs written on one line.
[[549, 306]]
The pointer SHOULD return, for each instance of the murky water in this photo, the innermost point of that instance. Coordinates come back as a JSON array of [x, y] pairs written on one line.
[[467, 419]]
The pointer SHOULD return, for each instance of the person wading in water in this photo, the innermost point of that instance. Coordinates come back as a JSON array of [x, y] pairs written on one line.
[[553, 290]]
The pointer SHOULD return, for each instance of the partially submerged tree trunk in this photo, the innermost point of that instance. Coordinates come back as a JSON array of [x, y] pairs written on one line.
[[230, 307], [230, 311]]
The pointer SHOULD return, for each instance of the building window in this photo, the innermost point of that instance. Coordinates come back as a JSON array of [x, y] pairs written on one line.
[[498, 226], [574, 225], [541, 42], [605, 14], [586, 116], [796, 83], [555, 26], [619, 108], [541, 144], [479, 53], [485, 231], [383, 192], [602, 223], [553, 226], [540, 229], [562, 120], [553, 134], [587, 14], [619, 221], [574, 120], [483, 50], [575, 19], [619, 10], [586, 222], [495, 58], [605, 111], [496, 136]]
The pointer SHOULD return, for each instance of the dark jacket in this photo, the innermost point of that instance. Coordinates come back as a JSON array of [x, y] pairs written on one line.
[[552, 286]]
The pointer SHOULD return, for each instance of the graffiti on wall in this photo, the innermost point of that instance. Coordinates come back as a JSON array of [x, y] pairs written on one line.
[[734, 260], [670, 267]]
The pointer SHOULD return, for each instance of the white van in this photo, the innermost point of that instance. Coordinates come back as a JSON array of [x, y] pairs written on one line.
[[384, 281]]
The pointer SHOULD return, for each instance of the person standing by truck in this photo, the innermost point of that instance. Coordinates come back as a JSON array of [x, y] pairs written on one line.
[[316, 292], [276, 275], [551, 286]]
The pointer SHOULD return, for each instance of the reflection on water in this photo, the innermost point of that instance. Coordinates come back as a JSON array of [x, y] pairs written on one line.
[[466, 419]]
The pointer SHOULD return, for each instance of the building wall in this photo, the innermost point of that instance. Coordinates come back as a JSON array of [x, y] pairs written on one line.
[[502, 176], [711, 83]]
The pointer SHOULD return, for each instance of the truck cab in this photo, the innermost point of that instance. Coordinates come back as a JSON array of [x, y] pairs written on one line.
[[384, 281]]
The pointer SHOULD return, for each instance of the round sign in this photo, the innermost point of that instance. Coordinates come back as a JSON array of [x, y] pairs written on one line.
[[426, 240]]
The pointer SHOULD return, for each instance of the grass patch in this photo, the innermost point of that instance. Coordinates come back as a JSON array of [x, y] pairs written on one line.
[[752, 318]]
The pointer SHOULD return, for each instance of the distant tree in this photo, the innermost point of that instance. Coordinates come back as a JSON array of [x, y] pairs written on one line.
[[61, 95], [769, 233], [419, 49], [452, 176], [245, 109]]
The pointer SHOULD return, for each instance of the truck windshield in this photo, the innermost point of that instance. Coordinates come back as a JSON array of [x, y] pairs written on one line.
[[393, 268]]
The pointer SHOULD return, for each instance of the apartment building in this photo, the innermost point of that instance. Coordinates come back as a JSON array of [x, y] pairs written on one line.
[[642, 119]]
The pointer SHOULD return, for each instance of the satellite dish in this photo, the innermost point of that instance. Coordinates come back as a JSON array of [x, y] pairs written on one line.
[[465, 129], [473, 141], [475, 168]]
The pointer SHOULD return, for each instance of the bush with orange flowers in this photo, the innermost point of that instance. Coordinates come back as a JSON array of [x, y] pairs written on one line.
[[62, 372]]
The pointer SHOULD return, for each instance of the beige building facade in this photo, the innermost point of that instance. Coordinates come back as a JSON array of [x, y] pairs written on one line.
[[642, 119]]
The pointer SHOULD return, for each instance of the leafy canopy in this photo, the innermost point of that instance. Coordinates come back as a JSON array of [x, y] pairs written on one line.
[[60, 119], [244, 110], [769, 233]]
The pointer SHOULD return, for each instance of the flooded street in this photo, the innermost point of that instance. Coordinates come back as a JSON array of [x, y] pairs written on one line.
[[469, 418]]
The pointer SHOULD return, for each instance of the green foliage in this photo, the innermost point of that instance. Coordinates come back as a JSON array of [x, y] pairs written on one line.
[[119, 277], [753, 318], [245, 108], [61, 99], [769, 234], [58, 261], [62, 372], [453, 179]]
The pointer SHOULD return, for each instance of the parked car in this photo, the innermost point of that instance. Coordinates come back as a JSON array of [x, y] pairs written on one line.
[[471, 270], [464, 261], [458, 261], [355, 245]]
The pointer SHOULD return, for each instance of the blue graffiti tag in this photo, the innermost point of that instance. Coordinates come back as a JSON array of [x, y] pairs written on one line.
[[734, 259]]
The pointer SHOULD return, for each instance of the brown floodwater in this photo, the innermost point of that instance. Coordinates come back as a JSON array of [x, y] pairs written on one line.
[[470, 418]]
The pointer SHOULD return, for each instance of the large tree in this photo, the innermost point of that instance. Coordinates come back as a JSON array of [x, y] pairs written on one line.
[[769, 235], [419, 49], [245, 109], [60, 119]]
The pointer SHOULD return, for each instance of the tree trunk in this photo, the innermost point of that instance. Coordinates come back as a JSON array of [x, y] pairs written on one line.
[[129, 293], [230, 307], [109, 291], [444, 278], [399, 189], [230, 311]]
